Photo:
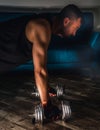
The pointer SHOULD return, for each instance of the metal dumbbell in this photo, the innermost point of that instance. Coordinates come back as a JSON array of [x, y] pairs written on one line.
[[39, 116], [58, 89]]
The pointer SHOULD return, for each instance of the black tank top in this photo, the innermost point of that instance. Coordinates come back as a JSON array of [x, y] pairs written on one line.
[[14, 46]]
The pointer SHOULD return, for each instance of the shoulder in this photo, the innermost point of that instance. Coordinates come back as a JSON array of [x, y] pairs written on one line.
[[38, 28]]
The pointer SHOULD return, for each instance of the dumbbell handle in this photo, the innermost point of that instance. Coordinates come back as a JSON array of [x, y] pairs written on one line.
[[36, 94], [31, 115]]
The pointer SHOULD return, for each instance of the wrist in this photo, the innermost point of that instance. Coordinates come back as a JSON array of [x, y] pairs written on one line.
[[47, 103]]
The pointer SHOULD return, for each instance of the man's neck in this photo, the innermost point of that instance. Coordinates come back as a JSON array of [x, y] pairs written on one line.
[[56, 27]]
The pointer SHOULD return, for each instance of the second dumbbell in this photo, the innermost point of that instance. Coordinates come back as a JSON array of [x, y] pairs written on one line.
[[58, 91]]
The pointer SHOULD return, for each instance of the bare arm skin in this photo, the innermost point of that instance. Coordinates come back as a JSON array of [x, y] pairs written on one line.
[[39, 33]]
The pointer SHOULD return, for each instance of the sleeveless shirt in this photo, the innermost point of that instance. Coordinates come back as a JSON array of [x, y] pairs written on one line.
[[15, 49]]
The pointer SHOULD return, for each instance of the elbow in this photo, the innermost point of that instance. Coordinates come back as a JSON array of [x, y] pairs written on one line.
[[42, 72]]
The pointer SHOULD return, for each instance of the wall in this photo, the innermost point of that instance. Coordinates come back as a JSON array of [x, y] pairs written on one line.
[[49, 3]]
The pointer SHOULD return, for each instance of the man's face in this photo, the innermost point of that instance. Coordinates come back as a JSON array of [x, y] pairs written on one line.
[[71, 26]]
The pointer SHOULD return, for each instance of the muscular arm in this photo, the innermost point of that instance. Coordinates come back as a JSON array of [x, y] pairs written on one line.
[[39, 53], [41, 39]]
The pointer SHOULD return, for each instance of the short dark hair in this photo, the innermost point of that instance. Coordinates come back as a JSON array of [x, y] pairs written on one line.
[[70, 11]]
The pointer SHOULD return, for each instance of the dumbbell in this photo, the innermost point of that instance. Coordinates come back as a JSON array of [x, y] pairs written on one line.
[[59, 91], [39, 117]]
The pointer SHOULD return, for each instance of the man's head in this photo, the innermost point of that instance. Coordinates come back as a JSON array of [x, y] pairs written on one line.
[[70, 19]]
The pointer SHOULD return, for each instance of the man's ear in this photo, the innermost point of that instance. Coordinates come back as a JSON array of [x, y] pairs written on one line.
[[66, 21]]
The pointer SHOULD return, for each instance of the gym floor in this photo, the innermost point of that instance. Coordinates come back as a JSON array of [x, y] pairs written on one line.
[[17, 103]]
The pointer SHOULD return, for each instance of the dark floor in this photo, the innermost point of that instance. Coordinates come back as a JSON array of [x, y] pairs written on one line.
[[17, 103]]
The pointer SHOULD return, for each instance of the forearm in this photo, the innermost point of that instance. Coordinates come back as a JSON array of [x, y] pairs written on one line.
[[41, 79]]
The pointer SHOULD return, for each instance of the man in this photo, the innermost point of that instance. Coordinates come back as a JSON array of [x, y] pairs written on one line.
[[37, 32]]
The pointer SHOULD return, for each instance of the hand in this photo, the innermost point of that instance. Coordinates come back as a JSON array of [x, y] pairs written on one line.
[[51, 111]]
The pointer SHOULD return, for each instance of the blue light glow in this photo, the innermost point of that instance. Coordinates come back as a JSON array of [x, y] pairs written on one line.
[[93, 40]]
